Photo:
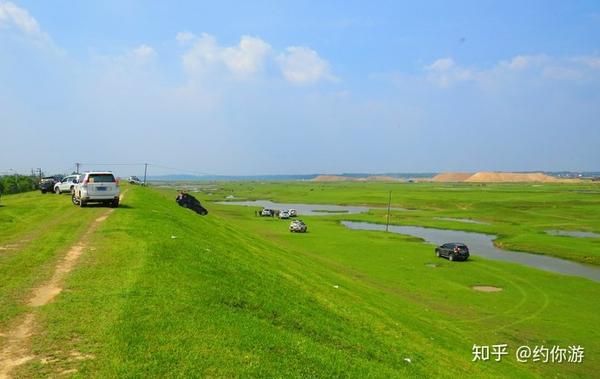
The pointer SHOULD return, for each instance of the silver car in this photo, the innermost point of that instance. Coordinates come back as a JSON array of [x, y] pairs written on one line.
[[298, 226]]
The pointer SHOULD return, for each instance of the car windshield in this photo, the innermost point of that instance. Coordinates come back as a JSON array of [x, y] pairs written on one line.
[[101, 178]]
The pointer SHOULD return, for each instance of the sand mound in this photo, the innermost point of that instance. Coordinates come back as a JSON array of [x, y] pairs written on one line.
[[331, 178], [497, 177], [510, 177], [451, 177]]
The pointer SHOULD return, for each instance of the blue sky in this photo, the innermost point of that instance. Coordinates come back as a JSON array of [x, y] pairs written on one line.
[[301, 87]]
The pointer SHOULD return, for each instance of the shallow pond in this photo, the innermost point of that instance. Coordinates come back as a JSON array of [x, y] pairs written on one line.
[[573, 233], [307, 209], [481, 245], [466, 220]]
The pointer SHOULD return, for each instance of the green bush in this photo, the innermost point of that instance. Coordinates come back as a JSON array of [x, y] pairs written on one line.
[[18, 183]]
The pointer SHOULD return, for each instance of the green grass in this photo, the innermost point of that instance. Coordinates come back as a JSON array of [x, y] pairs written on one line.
[[36, 230], [238, 295], [519, 214]]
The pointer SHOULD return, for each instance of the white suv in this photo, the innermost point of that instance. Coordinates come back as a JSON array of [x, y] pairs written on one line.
[[97, 186], [67, 184]]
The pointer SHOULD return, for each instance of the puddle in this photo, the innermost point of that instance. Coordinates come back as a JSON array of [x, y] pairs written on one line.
[[573, 233], [307, 209], [481, 245], [466, 220], [487, 288]]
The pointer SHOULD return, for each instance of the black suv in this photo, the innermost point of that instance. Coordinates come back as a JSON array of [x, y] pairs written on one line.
[[47, 184], [453, 251]]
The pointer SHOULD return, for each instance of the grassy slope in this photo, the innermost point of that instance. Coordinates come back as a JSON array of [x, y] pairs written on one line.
[[235, 295], [518, 213], [38, 229]]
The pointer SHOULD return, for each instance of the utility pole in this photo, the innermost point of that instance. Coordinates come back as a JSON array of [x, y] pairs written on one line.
[[145, 172], [77, 167], [39, 170], [387, 225]]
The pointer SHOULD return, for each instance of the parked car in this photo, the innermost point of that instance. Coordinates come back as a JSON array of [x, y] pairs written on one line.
[[284, 215], [298, 226], [67, 184], [134, 180], [453, 251], [99, 187], [293, 213], [266, 212], [188, 201], [47, 184]]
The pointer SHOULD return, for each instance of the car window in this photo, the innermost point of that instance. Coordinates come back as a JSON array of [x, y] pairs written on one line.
[[101, 178]]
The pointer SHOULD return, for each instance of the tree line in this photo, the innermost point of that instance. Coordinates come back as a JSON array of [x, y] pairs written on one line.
[[18, 183]]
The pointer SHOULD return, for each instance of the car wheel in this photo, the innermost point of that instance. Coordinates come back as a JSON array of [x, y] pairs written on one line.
[[74, 200], [437, 253], [451, 257], [114, 204], [43, 191], [82, 203], [57, 191]]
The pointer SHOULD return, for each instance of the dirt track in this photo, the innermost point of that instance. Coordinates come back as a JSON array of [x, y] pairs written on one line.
[[16, 350]]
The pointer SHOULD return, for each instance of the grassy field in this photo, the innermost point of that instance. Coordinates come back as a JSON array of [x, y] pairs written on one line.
[[163, 292], [519, 214]]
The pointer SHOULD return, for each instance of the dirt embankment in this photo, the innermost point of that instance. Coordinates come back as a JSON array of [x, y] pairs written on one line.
[[451, 177], [499, 177]]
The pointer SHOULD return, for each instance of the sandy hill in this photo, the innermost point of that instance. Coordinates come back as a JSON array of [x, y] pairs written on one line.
[[331, 178], [451, 177], [510, 177]]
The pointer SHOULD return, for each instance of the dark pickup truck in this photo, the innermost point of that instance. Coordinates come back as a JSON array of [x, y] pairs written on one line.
[[47, 184]]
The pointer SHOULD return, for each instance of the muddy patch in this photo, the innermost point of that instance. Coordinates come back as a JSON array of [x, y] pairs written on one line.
[[487, 288]]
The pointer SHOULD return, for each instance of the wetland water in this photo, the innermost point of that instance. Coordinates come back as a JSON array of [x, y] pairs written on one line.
[[482, 245], [307, 209], [573, 233]]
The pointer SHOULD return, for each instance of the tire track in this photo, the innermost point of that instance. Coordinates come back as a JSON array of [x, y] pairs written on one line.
[[15, 350]]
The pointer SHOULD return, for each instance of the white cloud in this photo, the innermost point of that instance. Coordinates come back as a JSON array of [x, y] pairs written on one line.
[[13, 16], [590, 61], [144, 53], [442, 64], [302, 65], [519, 62], [242, 60], [444, 72], [185, 37], [18, 21]]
